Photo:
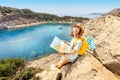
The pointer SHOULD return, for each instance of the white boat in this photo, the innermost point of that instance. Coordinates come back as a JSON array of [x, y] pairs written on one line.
[[60, 27]]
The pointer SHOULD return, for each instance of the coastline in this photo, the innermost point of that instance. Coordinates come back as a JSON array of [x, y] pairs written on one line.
[[26, 25], [33, 24]]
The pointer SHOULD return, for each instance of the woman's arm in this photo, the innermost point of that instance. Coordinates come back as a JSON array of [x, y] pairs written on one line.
[[71, 52], [75, 49]]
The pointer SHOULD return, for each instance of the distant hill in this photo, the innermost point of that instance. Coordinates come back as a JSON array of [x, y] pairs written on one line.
[[115, 12], [10, 17], [95, 13]]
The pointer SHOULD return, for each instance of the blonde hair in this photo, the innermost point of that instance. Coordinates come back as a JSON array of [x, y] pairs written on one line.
[[80, 32]]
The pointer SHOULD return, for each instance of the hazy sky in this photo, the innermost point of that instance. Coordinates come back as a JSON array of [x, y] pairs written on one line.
[[64, 7]]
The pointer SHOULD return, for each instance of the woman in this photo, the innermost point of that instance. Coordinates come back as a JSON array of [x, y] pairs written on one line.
[[72, 53]]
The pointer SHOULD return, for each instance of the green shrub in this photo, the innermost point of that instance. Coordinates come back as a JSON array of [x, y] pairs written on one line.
[[9, 66], [15, 62], [2, 61], [5, 78], [27, 73], [6, 70]]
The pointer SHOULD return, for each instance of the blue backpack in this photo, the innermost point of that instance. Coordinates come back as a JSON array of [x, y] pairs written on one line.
[[91, 43]]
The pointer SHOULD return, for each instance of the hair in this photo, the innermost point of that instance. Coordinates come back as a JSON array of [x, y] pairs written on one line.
[[79, 35]]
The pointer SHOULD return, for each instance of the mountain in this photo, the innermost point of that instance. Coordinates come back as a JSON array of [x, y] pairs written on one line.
[[95, 13], [11, 17], [115, 12]]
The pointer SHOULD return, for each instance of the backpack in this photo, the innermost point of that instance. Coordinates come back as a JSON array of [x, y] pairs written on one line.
[[83, 47], [91, 43]]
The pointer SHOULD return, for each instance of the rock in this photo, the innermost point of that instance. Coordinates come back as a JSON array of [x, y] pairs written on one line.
[[106, 33], [44, 62], [85, 68]]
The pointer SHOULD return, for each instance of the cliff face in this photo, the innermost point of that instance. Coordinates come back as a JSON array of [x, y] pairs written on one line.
[[106, 33]]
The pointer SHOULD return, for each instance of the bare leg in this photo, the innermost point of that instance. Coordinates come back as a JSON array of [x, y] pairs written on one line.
[[62, 62]]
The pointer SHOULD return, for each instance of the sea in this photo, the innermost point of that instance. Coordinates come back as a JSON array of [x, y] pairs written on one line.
[[32, 42]]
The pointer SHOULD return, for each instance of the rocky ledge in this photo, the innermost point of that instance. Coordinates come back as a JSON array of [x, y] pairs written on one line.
[[86, 67]]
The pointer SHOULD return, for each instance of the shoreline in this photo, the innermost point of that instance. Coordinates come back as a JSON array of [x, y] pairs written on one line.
[[33, 24], [26, 25]]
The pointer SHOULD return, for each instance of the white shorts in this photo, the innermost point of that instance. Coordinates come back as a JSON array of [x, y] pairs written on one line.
[[72, 57]]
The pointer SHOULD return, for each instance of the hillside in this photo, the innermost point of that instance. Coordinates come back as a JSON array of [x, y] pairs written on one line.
[[10, 17], [114, 12], [105, 31]]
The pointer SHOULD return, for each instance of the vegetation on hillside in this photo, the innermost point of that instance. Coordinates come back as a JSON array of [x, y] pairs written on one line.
[[118, 15], [9, 13], [14, 69]]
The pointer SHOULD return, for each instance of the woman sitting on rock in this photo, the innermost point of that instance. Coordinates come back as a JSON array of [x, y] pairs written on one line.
[[72, 53]]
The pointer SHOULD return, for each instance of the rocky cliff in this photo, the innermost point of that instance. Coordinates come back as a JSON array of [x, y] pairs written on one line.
[[105, 65], [106, 33]]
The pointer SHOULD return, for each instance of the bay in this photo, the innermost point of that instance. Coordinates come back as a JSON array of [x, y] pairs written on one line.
[[31, 42]]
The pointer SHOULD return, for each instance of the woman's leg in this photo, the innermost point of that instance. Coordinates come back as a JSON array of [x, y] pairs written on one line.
[[63, 61]]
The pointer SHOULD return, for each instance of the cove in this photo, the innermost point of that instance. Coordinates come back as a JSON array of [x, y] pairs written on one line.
[[31, 42]]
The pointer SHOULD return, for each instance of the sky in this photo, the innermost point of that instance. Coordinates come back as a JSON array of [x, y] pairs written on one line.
[[64, 7]]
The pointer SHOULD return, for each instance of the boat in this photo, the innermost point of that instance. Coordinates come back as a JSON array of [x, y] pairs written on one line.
[[60, 27]]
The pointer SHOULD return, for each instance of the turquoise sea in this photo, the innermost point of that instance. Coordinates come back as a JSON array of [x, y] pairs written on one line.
[[31, 42]]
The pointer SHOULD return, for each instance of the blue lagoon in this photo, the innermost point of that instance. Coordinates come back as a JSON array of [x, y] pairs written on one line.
[[31, 42]]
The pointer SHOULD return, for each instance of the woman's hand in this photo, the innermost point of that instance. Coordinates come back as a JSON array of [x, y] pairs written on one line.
[[64, 41], [63, 53]]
